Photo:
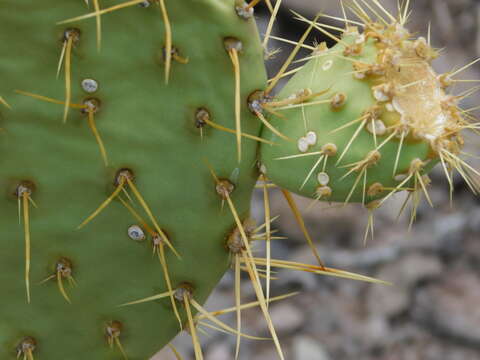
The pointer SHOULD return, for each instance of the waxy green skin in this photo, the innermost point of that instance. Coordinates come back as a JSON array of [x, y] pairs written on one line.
[[146, 126], [329, 71]]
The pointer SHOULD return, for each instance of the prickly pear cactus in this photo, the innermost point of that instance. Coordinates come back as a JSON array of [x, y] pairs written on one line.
[[382, 120], [126, 129], [134, 128]]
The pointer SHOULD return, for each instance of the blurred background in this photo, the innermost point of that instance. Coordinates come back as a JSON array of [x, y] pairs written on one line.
[[432, 312]]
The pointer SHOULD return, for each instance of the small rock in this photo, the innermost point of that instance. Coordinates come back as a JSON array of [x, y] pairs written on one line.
[[307, 348], [450, 307], [375, 329], [404, 274]]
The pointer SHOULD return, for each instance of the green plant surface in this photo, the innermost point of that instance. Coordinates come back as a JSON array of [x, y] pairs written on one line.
[[146, 126]]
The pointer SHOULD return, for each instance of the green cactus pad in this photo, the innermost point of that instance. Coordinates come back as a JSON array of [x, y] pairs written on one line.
[[380, 116], [146, 126]]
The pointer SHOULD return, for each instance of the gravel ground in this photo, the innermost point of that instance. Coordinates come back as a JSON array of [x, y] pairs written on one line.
[[431, 311]]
